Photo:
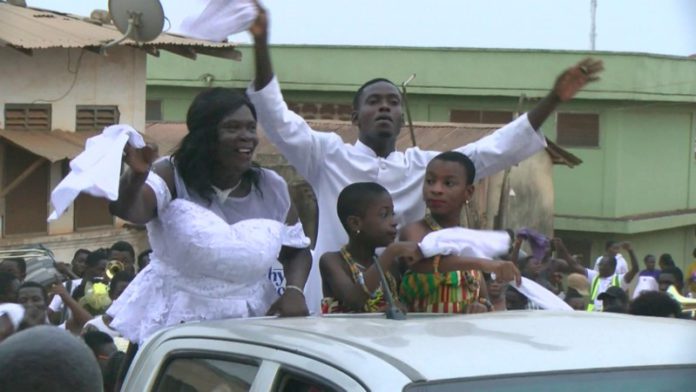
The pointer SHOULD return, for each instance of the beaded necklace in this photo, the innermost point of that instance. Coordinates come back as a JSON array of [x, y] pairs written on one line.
[[375, 300]]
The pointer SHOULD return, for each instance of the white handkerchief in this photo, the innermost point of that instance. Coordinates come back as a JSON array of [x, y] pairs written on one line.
[[97, 169], [463, 242], [219, 19], [540, 295]]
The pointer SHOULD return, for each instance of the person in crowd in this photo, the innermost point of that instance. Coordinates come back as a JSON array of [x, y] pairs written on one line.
[[575, 300], [9, 284], [579, 283], [612, 248], [449, 284], [496, 293], [124, 252], [691, 278], [329, 165], [17, 266], [214, 220], [34, 298], [350, 277], [667, 262], [102, 346], [102, 322], [94, 272], [606, 277], [669, 276], [73, 271], [112, 370], [515, 300], [11, 316], [614, 300], [47, 359], [650, 270], [578, 291], [144, 259], [656, 304]]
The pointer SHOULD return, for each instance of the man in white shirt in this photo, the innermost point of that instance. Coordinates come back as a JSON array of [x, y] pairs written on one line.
[[606, 277], [329, 165], [613, 249]]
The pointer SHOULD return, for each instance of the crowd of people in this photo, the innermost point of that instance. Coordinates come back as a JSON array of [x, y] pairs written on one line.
[[389, 227]]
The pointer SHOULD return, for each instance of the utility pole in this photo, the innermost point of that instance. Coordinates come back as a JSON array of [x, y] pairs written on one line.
[[593, 23]]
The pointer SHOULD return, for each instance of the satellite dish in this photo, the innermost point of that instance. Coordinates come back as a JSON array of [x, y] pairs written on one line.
[[139, 20]]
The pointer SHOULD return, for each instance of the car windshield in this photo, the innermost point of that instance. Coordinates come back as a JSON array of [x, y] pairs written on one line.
[[633, 380]]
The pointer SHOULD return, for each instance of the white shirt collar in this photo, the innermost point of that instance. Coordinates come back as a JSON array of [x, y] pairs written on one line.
[[363, 148]]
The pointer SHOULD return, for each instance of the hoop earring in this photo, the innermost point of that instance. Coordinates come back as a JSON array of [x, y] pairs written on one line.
[[357, 232]]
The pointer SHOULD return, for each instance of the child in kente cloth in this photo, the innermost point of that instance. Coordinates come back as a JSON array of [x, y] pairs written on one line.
[[452, 284], [351, 281]]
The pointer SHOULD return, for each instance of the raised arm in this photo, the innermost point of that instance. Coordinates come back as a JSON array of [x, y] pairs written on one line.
[[300, 145], [136, 203], [634, 262], [564, 254], [521, 138]]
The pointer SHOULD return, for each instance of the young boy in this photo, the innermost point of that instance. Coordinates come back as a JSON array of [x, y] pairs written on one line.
[[351, 281]]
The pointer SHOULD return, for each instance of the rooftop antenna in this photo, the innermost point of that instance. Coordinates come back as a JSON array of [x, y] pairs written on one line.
[[408, 110], [139, 20], [392, 312]]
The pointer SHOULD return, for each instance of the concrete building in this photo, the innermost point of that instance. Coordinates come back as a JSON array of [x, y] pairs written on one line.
[[56, 90], [635, 130]]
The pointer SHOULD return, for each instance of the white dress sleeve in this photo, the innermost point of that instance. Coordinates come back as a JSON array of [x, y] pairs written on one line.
[[463, 242], [161, 190], [294, 236], [504, 148]]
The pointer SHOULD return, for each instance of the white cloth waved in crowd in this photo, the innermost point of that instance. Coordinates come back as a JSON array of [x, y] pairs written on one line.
[[219, 19], [97, 169]]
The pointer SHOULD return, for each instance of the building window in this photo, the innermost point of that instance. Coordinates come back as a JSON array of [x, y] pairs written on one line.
[[207, 374], [25, 117], [26, 205], [577, 129], [322, 111], [153, 110], [480, 116], [95, 118], [92, 212]]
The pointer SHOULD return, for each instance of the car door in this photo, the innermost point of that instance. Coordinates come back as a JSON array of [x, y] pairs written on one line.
[[197, 365]]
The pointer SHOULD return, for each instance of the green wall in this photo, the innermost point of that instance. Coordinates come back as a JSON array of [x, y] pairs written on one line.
[[639, 181]]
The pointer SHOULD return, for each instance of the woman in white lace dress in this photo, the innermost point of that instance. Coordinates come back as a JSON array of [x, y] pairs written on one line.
[[216, 223]]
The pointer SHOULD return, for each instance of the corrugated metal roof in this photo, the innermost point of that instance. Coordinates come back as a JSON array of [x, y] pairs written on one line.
[[53, 145], [31, 28], [429, 136]]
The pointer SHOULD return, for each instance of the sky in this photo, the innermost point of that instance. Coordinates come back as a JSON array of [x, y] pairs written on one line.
[[651, 26]]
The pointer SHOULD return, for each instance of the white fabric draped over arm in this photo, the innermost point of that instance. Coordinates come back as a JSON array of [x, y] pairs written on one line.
[[486, 245], [463, 242]]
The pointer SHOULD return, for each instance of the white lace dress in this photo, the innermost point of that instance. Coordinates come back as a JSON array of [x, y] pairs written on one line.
[[201, 268]]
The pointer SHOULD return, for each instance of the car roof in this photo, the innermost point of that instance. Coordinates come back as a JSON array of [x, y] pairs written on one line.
[[434, 348]]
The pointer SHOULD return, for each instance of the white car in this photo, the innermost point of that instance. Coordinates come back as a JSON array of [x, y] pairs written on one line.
[[501, 351]]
